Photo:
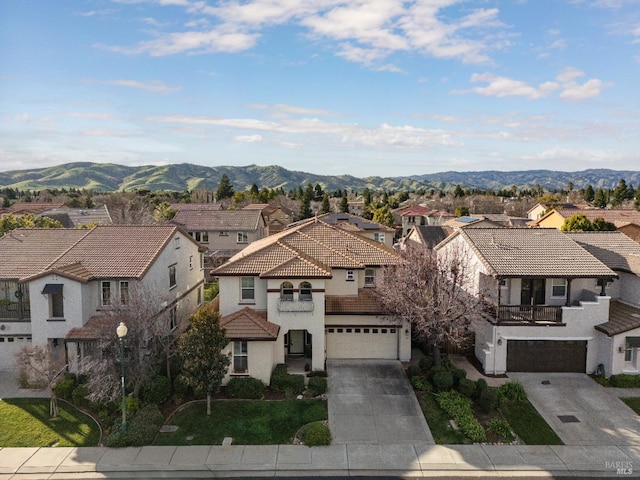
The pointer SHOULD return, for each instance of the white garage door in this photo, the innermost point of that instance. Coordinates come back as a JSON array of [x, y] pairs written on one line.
[[362, 342], [9, 346]]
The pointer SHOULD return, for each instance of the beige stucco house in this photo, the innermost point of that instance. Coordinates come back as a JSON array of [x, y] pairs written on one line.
[[307, 291], [545, 294], [55, 284]]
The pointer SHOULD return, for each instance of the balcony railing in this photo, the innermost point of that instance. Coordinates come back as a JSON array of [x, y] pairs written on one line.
[[295, 305], [535, 314], [15, 311]]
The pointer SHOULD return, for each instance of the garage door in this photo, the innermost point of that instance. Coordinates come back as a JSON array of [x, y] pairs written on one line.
[[9, 346], [362, 342], [546, 356]]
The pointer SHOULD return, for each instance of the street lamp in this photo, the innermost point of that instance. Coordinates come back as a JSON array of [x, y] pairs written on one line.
[[121, 331]]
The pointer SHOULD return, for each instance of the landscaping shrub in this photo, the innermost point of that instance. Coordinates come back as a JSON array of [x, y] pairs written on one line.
[[458, 407], [413, 371], [317, 373], [458, 374], [467, 387], [425, 364], [443, 381], [132, 405], [421, 383], [513, 391], [245, 387], [141, 428], [64, 388], [155, 389], [434, 371], [488, 400], [481, 386], [281, 381], [624, 380], [500, 428], [317, 386], [79, 396], [317, 434]]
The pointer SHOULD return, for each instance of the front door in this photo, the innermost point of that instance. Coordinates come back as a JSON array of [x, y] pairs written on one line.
[[296, 342], [533, 291]]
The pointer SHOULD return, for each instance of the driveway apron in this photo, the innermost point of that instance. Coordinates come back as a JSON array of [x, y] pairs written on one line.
[[580, 411], [372, 402]]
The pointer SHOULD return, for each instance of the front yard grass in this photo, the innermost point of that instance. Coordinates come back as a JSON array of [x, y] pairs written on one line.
[[248, 422], [633, 403], [25, 422], [527, 423]]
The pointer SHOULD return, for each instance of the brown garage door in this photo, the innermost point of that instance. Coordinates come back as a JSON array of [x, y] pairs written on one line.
[[546, 356]]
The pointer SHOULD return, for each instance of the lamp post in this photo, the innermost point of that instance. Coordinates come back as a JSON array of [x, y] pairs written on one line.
[[121, 331]]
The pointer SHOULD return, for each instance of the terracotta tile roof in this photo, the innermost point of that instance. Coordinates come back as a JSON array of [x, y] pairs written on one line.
[[96, 328], [365, 303], [20, 208], [614, 249], [309, 249], [249, 324], [622, 318], [529, 253], [218, 220], [617, 217], [203, 207], [256, 206], [348, 221], [26, 251], [416, 210], [113, 251]]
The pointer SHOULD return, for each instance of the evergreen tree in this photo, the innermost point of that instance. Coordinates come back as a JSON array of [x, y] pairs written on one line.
[[462, 211], [600, 199], [589, 193], [253, 191], [225, 189], [305, 208], [326, 206], [344, 204], [620, 192], [366, 196], [383, 216], [318, 192]]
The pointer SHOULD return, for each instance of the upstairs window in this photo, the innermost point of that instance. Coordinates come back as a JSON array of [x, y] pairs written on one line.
[[247, 289], [351, 276], [124, 293], [106, 294], [369, 277], [172, 276], [205, 237], [173, 318], [243, 237], [305, 292], [559, 287], [190, 262], [378, 237], [56, 301], [286, 291]]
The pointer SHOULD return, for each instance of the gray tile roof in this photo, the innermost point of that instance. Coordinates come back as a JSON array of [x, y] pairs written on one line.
[[74, 217], [432, 235], [527, 252], [622, 318], [209, 220], [614, 249], [309, 250]]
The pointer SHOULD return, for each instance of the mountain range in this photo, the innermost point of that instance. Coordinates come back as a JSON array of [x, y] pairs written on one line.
[[180, 177]]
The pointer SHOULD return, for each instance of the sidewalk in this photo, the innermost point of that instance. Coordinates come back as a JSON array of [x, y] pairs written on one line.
[[407, 460]]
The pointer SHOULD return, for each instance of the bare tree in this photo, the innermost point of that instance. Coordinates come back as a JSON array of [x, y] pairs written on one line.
[[428, 291], [39, 363], [147, 344]]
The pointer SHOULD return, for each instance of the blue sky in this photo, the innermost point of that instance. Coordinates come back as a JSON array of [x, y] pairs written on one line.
[[378, 87]]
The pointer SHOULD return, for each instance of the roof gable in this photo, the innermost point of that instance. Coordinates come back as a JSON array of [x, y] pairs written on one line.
[[248, 324]]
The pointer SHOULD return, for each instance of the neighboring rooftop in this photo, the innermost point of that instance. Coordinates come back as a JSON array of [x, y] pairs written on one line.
[[531, 253], [614, 249], [622, 318], [77, 217], [617, 217], [431, 235], [218, 220]]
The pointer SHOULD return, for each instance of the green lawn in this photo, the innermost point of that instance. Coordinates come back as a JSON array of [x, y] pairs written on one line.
[[528, 424], [438, 421], [248, 422], [633, 403], [25, 422]]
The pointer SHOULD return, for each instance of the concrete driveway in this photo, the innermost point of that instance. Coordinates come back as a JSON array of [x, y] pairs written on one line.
[[372, 402], [579, 410]]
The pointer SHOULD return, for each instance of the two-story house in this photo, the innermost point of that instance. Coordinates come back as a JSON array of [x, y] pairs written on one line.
[[56, 283], [222, 232], [361, 226], [545, 294], [308, 290], [417, 215], [276, 216]]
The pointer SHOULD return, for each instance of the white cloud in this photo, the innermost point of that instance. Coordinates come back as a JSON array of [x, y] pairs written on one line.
[[248, 138], [153, 86], [503, 87], [589, 89]]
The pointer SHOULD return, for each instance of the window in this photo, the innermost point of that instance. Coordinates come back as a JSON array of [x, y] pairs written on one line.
[[242, 237], [176, 242], [369, 277], [247, 289], [628, 351], [240, 357], [305, 292], [558, 287], [201, 261], [172, 276], [350, 276], [173, 318], [124, 293], [190, 262], [378, 237], [224, 234], [205, 237], [106, 294], [286, 291], [57, 305]]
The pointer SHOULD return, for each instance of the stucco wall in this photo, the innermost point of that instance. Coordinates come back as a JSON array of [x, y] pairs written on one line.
[[261, 360]]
